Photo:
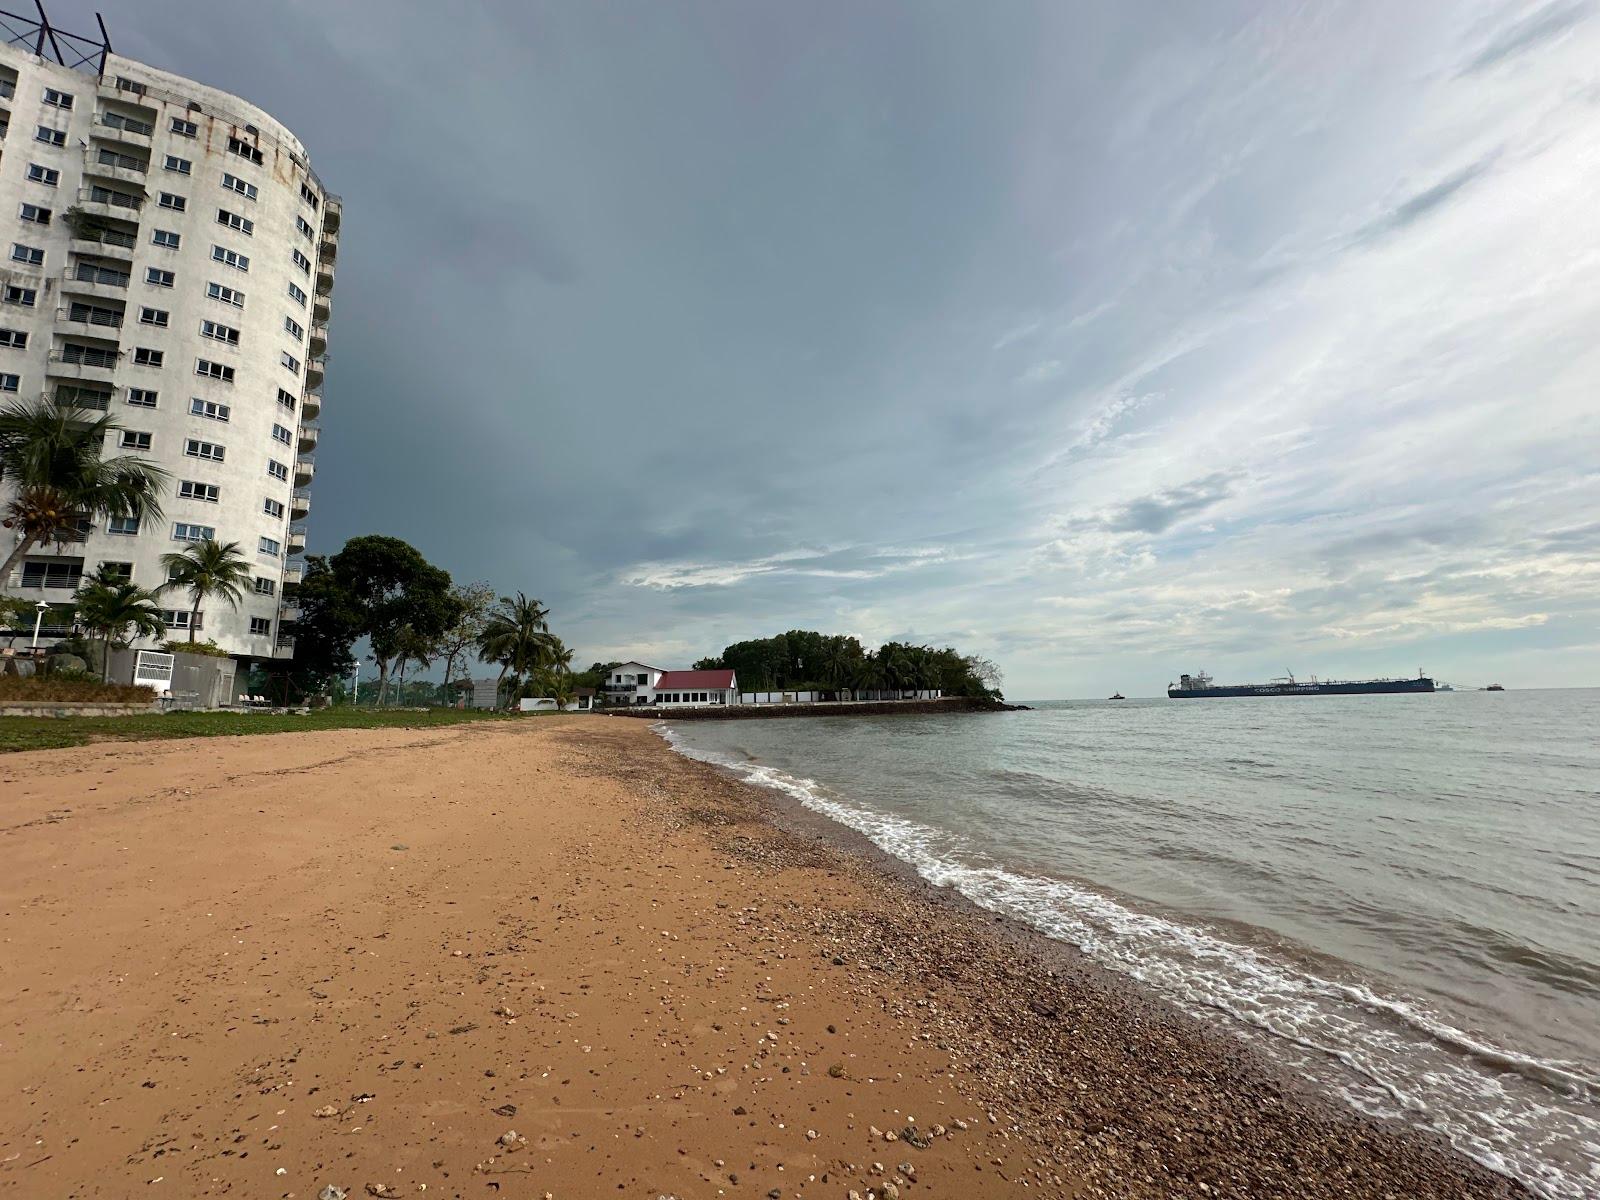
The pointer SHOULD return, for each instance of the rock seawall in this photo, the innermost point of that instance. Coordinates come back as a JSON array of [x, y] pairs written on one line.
[[831, 708]]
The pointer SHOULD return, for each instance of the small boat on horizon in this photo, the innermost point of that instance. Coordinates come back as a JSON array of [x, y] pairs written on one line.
[[1118, 696], [1494, 687]]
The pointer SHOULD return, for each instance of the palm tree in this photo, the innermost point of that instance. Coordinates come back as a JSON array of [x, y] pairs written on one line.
[[50, 453], [111, 605], [516, 635], [208, 568]]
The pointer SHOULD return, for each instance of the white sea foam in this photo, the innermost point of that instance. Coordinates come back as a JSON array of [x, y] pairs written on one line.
[[1528, 1118]]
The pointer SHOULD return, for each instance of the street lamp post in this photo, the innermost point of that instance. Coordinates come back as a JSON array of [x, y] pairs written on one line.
[[38, 619], [355, 683]]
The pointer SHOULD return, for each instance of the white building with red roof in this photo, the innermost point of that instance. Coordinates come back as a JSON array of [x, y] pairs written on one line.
[[679, 689]]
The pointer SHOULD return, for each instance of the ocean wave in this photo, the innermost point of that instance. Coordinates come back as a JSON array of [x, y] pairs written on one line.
[[1526, 1117]]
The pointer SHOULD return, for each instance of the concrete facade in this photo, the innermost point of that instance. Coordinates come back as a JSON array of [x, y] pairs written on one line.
[[133, 296]]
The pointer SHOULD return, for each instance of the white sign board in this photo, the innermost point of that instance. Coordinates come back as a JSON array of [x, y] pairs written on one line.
[[153, 669], [484, 692]]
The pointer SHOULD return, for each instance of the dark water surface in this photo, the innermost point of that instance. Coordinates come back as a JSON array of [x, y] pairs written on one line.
[[1398, 894]]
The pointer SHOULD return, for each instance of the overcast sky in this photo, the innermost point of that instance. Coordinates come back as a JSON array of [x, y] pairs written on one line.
[[1109, 341]]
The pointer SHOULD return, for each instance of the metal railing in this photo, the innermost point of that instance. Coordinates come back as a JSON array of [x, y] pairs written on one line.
[[80, 314], [86, 356], [106, 237], [89, 273], [114, 120], [123, 162]]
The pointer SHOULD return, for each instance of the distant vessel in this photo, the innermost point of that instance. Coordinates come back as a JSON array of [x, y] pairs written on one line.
[[1441, 686], [1494, 687], [1118, 696], [1201, 686]]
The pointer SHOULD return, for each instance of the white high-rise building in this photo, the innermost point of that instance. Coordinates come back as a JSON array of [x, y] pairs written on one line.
[[166, 254]]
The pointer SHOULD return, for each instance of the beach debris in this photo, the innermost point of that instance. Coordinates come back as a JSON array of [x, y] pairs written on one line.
[[512, 1140], [380, 1189], [500, 1010], [915, 1137], [505, 1110], [399, 846], [327, 1110], [812, 1135], [467, 1028], [891, 1192], [836, 1071], [908, 1170], [890, 1135], [332, 1192]]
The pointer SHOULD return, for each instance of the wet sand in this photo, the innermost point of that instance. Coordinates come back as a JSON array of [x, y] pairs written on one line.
[[553, 958]]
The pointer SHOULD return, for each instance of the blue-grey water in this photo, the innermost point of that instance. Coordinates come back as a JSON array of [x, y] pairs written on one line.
[[1400, 895]]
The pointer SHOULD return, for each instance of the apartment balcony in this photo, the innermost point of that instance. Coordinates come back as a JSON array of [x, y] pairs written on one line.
[[90, 322], [311, 406], [89, 280], [324, 277], [321, 307], [293, 575], [77, 363], [106, 243], [318, 339], [328, 246], [126, 170], [316, 368], [290, 612], [107, 202], [299, 505], [332, 214], [308, 439], [297, 539], [113, 127], [284, 647], [304, 469]]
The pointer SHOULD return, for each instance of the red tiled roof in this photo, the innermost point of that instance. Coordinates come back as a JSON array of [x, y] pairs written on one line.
[[675, 681]]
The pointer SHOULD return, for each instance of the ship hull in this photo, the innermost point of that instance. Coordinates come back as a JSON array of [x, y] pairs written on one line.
[[1363, 687]]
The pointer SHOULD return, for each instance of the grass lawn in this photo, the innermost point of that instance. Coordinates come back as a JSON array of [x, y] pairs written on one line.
[[49, 733]]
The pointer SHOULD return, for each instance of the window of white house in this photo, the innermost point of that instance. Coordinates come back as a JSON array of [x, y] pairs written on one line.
[[265, 587], [297, 294], [184, 128], [234, 221], [227, 295], [17, 339], [290, 361], [304, 226], [231, 258], [174, 202], [34, 214], [294, 329], [308, 195], [154, 316], [181, 165], [280, 434], [182, 618], [50, 137], [234, 184], [286, 400], [165, 237], [156, 277], [117, 570], [21, 295], [270, 546], [9, 382], [57, 99], [142, 397], [189, 489], [32, 256], [209, 409], [213, 370], [195, 448], [301, 261], [52, 573], [273, 508], [144, 356], [123, 526], [260, 626], [182, 531], [244, 150], [48, 176], [220, 333], [276, 469], [133, 439]]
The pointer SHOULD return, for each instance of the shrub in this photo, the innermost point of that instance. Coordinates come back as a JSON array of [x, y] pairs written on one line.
[[208, 648], [70, 688]]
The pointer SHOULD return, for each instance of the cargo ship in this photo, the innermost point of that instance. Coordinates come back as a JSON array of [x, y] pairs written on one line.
[[1201, 686]]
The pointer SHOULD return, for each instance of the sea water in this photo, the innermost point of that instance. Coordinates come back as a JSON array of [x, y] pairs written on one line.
[[1399, 895]]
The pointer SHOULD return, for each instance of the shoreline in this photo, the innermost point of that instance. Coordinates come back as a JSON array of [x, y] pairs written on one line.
[[562, 958], [822, 708]]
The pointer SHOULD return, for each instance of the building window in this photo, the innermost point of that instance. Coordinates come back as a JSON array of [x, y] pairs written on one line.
[[273, 508], [184, 128], [234, 184], [286, 400], [260, 626], [142, 397], [10, 382], [230, 257], [209, 409], [281, 434], [308, 195], [45, 175], [32, 256], [123, 526], [154, 316], [50, 137], [297, 294], [290, 361], [234, 221], [227, 295], [21, 295], [219, 333], [182, 618], [270, 546], [143, 356], [166, 238], [181, 165], [182, 531], [35, 214], [174, 202], [244, 150], [189, 489], [122, 162], [213, 370], [156, 277], [301, 261], [304, 226], [133, 439], [277, 470], [195, 448], [265, 586], [118, 570], [52, 573], [57, 99], [17, 339], [294, 329]]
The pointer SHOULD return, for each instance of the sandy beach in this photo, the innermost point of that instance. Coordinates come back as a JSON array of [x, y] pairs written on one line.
[[552, 958]]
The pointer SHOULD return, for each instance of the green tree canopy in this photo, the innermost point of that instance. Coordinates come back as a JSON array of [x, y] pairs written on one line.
[[208, 568]]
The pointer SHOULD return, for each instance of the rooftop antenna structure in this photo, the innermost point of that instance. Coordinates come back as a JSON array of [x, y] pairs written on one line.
[[44, 40]]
